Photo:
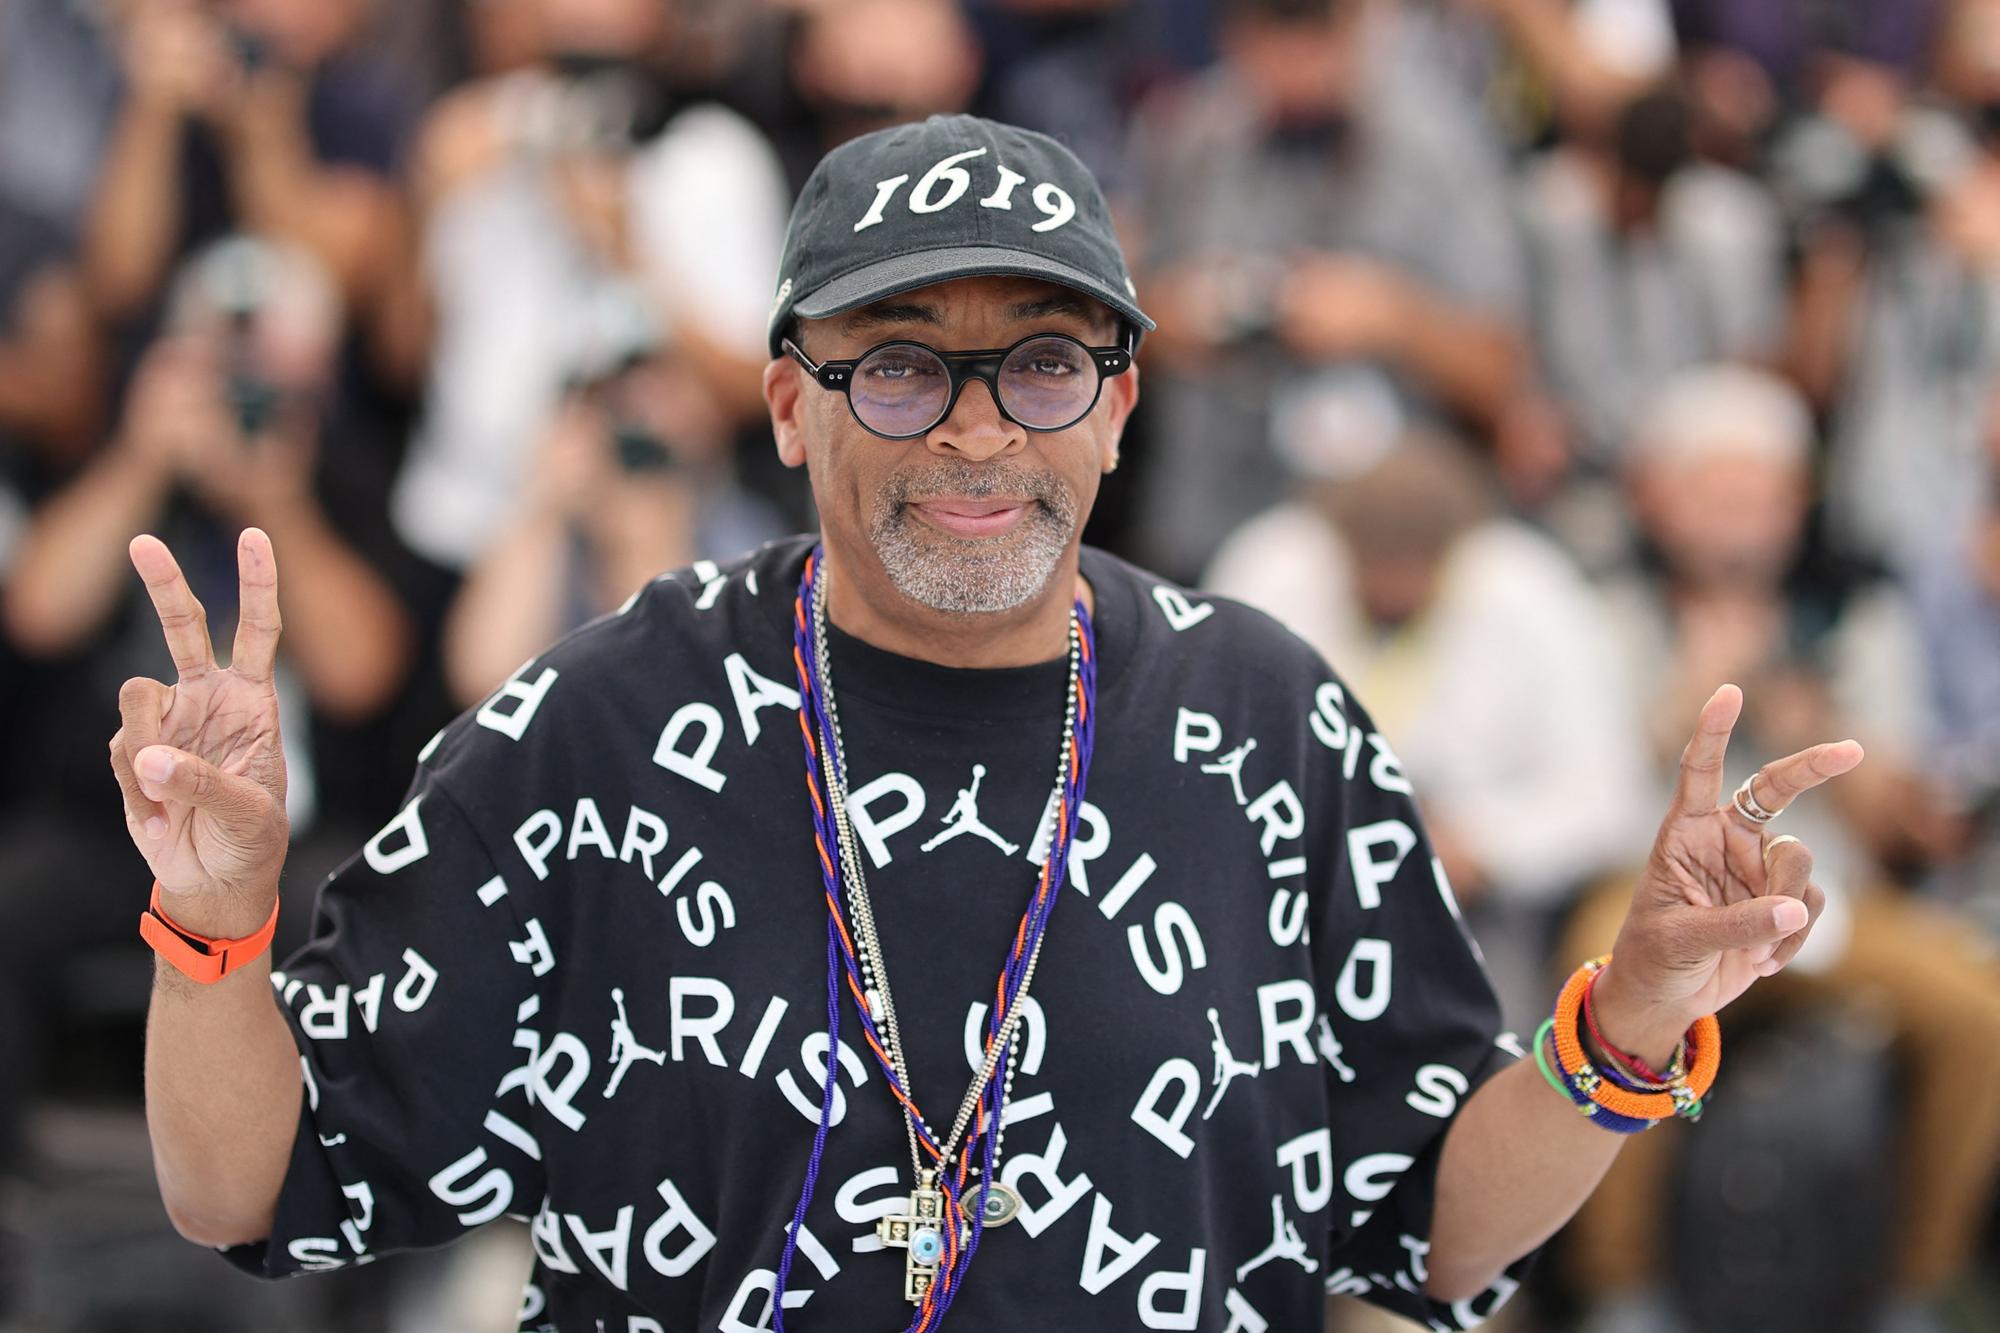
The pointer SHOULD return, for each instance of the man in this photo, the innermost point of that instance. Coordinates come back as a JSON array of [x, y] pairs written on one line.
[[630, 812], [1892, 337], [256, 115], [1957, 599], [568, 212], [869, 64], [1648, 259], [1321, 210]]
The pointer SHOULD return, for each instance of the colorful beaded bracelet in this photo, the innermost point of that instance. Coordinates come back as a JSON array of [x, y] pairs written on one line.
[[1623, 1078], [1639, 1076], [1597, 1115], [1683, 1097]]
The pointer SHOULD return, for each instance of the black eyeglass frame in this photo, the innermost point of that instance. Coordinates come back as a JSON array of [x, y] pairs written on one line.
[[984, 365]]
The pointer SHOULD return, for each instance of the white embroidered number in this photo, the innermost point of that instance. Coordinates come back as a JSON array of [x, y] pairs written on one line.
[[946, 170], [947, 182], [1053, 200], [884, 192], [1003, 197]]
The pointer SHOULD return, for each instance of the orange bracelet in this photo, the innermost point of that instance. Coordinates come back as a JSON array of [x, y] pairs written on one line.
[[1704, 1046], [201, 958]]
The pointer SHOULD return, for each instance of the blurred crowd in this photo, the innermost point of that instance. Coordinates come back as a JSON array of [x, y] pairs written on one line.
[[1544, 363]]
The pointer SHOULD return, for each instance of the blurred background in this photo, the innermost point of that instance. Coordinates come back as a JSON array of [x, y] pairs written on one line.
[[1543, 362]]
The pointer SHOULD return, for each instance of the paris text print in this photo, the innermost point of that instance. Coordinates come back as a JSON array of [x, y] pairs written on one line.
[[580, 980]]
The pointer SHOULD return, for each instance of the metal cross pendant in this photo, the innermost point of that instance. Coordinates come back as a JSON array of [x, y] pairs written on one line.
[[919, 1233]]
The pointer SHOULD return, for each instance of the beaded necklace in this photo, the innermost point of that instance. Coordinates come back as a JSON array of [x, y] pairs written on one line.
[[868, 946], [938, 1240]]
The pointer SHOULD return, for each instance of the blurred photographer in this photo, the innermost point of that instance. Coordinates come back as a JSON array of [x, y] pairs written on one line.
[[546, 196], [854, 66], [1957, 596], [1321, 198], [1897, 200], [50, 357], [631, 478], [250, 115], [1647, 260], [227, 425]]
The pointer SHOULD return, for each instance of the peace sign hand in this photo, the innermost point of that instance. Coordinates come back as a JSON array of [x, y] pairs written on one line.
[[1720, 903], [200, 762]]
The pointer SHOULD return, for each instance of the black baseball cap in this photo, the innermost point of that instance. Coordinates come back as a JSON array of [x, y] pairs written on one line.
[[950, 197]]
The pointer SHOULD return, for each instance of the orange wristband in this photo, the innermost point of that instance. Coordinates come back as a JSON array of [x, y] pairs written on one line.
[[205, 960], [1704, 1050]]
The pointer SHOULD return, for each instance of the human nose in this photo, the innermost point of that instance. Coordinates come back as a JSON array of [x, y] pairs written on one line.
[[975, 428]]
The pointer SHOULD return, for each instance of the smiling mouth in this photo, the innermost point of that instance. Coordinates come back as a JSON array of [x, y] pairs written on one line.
[[966, 516]]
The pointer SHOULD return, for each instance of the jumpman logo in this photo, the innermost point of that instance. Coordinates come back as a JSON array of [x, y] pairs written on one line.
[[1330, 1047], [1227, 1066], [1231, 765], [625, 1047], [1286, 1243], [963, 817]]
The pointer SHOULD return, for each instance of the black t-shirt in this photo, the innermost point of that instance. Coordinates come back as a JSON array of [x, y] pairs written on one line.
[[581, 978]]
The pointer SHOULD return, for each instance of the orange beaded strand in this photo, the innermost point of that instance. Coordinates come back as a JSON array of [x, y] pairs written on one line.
[[1704, 1045]]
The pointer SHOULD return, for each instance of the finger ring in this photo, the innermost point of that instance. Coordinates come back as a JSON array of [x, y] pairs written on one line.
[[1747, 805], [1775, 843]]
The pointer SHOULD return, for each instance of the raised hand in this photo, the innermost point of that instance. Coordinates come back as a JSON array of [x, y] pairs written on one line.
[[175, 56], [200, 761], [1721, 902]]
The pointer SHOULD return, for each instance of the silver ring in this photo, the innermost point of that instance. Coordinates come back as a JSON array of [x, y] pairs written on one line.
[[1746, 803]]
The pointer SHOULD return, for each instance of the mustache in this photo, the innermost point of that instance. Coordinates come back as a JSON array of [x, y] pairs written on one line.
[[980, 481]]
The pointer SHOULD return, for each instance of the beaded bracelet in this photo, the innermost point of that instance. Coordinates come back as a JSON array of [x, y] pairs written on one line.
[[1597, 1115], [1643, 1077], [1623, 1078], [1682, 1098]]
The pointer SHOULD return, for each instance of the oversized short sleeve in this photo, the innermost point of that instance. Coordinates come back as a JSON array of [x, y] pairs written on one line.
[[414, 1008], [1413, 1027]]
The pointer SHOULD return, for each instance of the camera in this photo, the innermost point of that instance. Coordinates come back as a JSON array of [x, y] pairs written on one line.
[[588, 103], [1250, 286], [622, 335], [1823, 170], [252, 52], [639, 451], [254, 399], [236, 286]]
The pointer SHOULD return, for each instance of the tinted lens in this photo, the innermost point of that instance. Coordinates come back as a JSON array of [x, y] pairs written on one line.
[[900, 389], [1048, 383]]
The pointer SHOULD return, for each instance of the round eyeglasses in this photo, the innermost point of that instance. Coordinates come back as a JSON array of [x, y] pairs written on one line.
[[900, 390]]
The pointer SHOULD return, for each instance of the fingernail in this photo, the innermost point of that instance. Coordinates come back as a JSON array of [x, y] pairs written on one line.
[[156, 766], [1790, 915], [156, 827]]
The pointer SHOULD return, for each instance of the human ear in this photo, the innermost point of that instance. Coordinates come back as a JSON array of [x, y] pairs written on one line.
[[787, 404], [1121, 395]]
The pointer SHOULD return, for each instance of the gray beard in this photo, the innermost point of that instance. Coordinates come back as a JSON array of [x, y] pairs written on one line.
[[964, 575]]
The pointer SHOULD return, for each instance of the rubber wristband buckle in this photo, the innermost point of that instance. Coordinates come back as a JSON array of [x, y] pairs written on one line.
[[199, 957]]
